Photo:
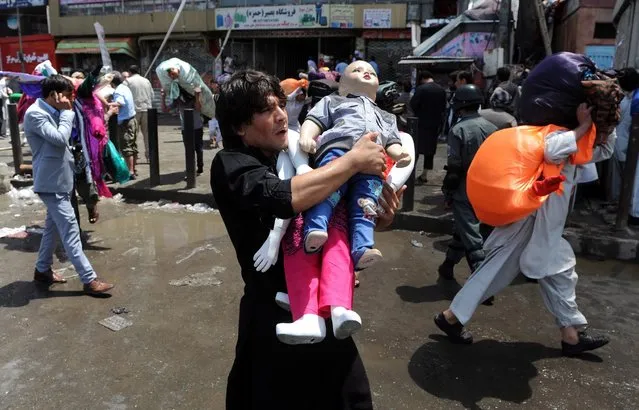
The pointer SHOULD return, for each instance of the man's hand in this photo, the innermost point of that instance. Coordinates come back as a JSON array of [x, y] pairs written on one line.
[[62, 102], [368, 156], [584, 115], [389, 201]]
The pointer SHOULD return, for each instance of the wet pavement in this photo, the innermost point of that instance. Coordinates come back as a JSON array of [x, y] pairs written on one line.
[[176, 274]]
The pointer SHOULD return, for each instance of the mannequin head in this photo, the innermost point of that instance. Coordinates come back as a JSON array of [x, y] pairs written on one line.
[[359, 79]]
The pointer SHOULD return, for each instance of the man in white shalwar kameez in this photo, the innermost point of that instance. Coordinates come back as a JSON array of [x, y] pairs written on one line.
[[535, 247]]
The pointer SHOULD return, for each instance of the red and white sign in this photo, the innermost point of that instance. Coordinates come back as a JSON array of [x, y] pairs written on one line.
[[36, 49]]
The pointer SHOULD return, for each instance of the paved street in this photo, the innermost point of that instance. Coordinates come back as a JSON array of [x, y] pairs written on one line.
[[177, 352]]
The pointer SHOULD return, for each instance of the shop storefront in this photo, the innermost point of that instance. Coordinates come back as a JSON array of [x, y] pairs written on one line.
[[84, 53], [35, 48], [281, 39]]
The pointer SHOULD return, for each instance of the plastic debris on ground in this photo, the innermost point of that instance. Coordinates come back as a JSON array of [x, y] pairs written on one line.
[[207, 247], [11, 232], [200, 279], [416, 244], [115, 323], [165, 205], [24, 196], [119, 310], [116, 199]]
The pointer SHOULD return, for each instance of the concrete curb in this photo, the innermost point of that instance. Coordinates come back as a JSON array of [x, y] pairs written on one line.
[[601, 242]]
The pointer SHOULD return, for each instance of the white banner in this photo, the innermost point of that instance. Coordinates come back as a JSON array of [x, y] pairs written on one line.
[[104, 52], [272, 17], [377, 18]]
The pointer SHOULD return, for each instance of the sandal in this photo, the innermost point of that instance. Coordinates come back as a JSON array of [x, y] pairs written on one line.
[[420, 180], [94, 215]]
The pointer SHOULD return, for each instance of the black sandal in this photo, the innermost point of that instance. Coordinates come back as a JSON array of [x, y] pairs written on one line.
[[420, 180]]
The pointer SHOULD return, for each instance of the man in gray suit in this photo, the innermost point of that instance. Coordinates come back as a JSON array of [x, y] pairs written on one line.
[[47, 125]]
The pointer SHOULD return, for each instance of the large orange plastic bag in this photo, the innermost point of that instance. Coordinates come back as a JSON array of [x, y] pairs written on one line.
[[500, 178]]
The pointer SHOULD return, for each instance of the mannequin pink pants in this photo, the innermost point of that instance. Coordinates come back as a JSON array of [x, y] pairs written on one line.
[[315, 282]]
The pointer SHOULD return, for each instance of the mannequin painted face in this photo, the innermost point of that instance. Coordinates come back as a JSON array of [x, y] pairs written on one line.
[[359, 79]]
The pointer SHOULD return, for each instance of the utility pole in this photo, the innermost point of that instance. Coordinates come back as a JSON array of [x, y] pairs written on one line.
[[503, 34], [20, 40]]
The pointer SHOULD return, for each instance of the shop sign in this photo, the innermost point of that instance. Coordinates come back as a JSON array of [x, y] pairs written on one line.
[[272, 17], [342, 16], [472, 44], [12, 4], [75, 2], [34, 53], [377, 18]]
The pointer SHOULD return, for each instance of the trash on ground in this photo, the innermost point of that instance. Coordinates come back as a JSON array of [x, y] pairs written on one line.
[[207, 247], [11, 231], [119, 310], [165, 205], [416, 244], [200, 279], [115, 323], [132, 251]]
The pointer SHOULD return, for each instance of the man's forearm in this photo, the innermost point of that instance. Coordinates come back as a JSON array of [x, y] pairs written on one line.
[[315, 186]]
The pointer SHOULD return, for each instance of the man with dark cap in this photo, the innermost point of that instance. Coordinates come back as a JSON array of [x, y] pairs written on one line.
[[500, 112], [464, 140]]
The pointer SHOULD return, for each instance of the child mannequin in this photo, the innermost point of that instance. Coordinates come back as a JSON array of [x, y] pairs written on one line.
[[321, 284], [329, 131]]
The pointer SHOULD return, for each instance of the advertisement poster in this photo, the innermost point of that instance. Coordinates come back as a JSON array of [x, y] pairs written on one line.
[[271, 17], [377, 18], [12, 4], [37, 49], [468, 45], [342, 16]]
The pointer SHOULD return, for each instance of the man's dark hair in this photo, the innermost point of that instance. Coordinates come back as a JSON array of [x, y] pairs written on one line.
[[465, 75], [243, 95], [503, 74], [56, 83], [453, 76], [117, 78], [424, 75], [407, 85], [628, 79], [134, 69]]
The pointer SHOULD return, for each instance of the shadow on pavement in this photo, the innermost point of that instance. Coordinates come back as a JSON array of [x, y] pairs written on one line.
[[442, 290], [30, 243], [487, 368], [20, 293]]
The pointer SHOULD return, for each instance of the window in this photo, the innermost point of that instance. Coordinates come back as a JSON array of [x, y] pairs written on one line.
[[605, 30]]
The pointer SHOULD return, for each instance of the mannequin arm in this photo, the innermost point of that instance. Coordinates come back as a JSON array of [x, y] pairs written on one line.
[[299, 158], [398, 176], [309, 133], [267, 255]]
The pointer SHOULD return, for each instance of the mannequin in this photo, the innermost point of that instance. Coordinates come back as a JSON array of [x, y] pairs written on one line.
[[323, 288], [329, 131]]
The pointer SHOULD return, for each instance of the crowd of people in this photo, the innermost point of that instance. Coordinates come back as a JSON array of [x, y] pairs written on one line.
[[334, 163]]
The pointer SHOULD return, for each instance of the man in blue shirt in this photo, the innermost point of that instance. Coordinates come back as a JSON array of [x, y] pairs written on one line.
[[127, 124]]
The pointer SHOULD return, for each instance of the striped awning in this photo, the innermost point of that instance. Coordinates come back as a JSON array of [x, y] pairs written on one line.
[[123, 45]]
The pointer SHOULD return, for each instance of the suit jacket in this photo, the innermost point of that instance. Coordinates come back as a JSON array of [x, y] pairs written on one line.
[[48, 138]]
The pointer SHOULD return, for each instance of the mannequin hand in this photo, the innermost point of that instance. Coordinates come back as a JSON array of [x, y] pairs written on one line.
[[266, 256], [403, 160], [547, 185], [308, 144]]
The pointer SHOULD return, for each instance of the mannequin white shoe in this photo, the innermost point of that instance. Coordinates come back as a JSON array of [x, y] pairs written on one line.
[[369, 258], [282, 300], [345, 322], [308, 329], [314, 241]]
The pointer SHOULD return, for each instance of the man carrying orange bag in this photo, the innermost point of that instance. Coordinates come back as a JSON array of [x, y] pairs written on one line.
[[534, 246]]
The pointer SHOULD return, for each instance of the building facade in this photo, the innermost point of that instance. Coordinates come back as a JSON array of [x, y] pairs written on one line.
[[276, 36], [586, 27]]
